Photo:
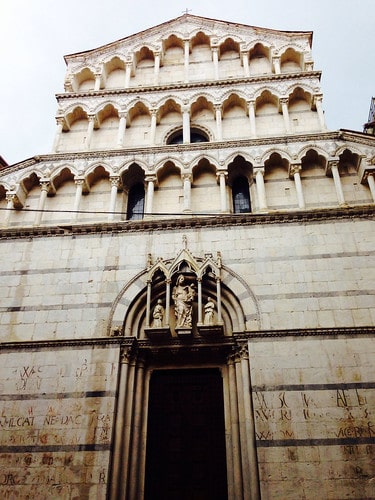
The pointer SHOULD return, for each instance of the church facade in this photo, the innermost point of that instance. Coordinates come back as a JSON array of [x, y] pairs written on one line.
[[187, 280]]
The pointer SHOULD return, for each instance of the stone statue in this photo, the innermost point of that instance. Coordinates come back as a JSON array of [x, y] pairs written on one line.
[[183, 296], [209, 310], [158, 315]]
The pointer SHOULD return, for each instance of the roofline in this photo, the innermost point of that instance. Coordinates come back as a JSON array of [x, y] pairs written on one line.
[[191, 16]]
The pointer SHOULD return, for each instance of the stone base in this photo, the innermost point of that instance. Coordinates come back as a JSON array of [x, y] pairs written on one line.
[[211, 330], [160, 333], [184, 333]]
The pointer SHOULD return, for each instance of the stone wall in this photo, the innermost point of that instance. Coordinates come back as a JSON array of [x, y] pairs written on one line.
[[316, 274], [56, 419], [314, 405]]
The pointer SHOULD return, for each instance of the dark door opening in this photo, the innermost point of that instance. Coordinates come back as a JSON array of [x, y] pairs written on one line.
[[185, 455]]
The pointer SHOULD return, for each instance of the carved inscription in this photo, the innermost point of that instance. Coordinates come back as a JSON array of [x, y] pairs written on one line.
[[314, 414], [56, 420]]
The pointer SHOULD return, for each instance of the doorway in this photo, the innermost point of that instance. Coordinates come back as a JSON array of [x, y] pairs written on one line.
[[185, 454]]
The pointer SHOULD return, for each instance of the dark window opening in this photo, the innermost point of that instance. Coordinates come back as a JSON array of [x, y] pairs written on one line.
[[136, 202], [241, 195], [195, 136]]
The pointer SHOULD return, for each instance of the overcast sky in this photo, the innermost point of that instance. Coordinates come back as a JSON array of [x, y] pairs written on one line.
[[36, 34]]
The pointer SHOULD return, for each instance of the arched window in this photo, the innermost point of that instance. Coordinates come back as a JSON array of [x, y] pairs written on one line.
[[241, 195], [196, 135], [136, 202]]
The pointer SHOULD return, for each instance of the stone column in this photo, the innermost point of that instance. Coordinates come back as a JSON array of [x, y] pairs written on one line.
[[223, 190], [319, 108], [44, 186], [186, 124], [284, 107], [115, 184], [186, 59], [10, 197], [119, 449], [200, 316], [187, 178], [371, 184], [60, 125], [136, 453], [218, 299], [121, 129], [219, 127], [150, 179], [245, 63], [236, 447], [294, 170], [253, 473], [215, 58], [156, 68], [245, 465], [167, 300], [334, 166], [126, 449], [276, 65], [261, 192], [153, 126], [98, 77], [148, 304], [128, 71], [253, 132], [79, 181], [90, 129]]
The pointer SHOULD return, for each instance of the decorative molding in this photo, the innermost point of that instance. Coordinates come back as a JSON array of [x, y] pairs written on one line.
[[192, 222]]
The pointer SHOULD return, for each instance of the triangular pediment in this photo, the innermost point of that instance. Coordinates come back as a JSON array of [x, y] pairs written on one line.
[[186, 27]]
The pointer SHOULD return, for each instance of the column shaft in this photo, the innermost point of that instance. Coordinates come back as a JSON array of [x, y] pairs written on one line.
[[261, 191], [135, 456], [223, 192], [156, 68], [295, 171], [90, 129], [186, 59], [371, 183], [121, 130], [118, 449], [78, 196], [236, 447], [219, 125], [56, 142], [112, 203], [250, 429], [44, 185], [337, 181], [186, 126], [245, 62], [253, 131], [187, 192], [215, 57], [284, 107]]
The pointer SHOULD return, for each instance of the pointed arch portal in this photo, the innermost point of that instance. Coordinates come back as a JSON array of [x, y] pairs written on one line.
[[185, 423]]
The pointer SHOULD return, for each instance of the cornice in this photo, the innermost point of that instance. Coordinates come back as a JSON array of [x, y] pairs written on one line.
[[196, 343], [203, 146], [191, 85], [192, 222], [276, 141]]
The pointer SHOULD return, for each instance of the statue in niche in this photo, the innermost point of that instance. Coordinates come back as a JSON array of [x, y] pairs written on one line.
[[183, 296], [158, 315], [209, 311]]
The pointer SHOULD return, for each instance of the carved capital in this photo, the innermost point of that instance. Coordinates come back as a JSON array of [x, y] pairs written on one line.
[[294, 168], [115, 180]]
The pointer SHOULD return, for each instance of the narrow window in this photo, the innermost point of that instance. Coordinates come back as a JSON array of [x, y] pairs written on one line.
[[136, 202], [241, 195]]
